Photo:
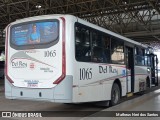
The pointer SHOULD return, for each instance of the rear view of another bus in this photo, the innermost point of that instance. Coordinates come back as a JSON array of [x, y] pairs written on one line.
[[35, 59]]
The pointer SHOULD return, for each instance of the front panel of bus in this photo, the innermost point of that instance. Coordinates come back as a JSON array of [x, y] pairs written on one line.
[[34, 53]]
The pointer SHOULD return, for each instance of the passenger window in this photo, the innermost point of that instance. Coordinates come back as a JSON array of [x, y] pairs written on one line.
[[83, 47], [117, 45], [97, 47], [107, 51], [117, 51], [100, 47], [139, 56]]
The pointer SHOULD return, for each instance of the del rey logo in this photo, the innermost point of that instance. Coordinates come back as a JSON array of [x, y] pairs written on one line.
[[19, 64]]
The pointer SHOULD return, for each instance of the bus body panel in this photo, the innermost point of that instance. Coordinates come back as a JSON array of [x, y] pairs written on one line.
[[97, 87], [140, 78], [37, 68], [69, 43], [61, 93]]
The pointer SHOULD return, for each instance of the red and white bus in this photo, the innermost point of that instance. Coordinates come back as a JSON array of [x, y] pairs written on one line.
[[62, 58]]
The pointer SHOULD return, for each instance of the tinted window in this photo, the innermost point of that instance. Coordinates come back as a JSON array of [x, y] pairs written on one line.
[[95, 46], [83, 45], [140, 58], [101, 47]]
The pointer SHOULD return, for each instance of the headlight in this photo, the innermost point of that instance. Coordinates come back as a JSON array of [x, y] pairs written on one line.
[[148, 69]]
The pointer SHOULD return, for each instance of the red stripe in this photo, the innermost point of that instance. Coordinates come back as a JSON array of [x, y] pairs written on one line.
[[6, 63], [32, 60], [127, 76], [122, 66], [63, 54]]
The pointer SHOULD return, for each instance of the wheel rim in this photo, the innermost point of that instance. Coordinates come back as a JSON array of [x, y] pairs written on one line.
[[115, 96]]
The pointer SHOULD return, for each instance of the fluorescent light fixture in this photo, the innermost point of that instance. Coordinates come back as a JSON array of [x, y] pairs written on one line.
[[38, 6]]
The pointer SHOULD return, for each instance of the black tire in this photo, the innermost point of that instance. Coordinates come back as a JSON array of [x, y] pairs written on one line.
[[147, 82], [115, 95]]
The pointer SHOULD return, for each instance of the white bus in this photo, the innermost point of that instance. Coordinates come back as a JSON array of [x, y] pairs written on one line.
[[62, 58]]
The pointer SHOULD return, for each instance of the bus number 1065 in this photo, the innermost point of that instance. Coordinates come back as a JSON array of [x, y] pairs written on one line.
[[85, 73], [51, 53]]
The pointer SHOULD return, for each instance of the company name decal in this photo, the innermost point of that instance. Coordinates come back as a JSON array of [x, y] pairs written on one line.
[[107, 69], [46, 70], [32, 83], [19, 64], [22, 55]]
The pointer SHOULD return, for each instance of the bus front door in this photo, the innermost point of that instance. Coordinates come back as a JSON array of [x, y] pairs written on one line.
[[129, 70], [154, 69]]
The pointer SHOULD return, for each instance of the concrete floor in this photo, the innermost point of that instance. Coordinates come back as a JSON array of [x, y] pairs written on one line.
[[150, 103]]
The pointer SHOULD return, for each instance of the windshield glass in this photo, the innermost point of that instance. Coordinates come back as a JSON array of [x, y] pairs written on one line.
[[33, 33]]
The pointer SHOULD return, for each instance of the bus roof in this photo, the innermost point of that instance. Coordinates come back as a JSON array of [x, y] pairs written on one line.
[[83, 21]]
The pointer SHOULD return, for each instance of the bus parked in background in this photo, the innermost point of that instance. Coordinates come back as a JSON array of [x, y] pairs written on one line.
[[62, 58]]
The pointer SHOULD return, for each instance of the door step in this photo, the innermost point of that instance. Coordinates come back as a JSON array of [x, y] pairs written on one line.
[[129, 94]]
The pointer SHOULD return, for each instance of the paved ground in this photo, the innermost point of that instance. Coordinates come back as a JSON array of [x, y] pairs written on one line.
[[1, 88], [32, 106], [146, 102]]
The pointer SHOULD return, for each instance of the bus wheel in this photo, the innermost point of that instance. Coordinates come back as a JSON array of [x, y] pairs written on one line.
[[147, 82], [115, 95]]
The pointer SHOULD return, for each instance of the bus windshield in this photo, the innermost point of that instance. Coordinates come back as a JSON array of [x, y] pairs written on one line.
[[34, 33]]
